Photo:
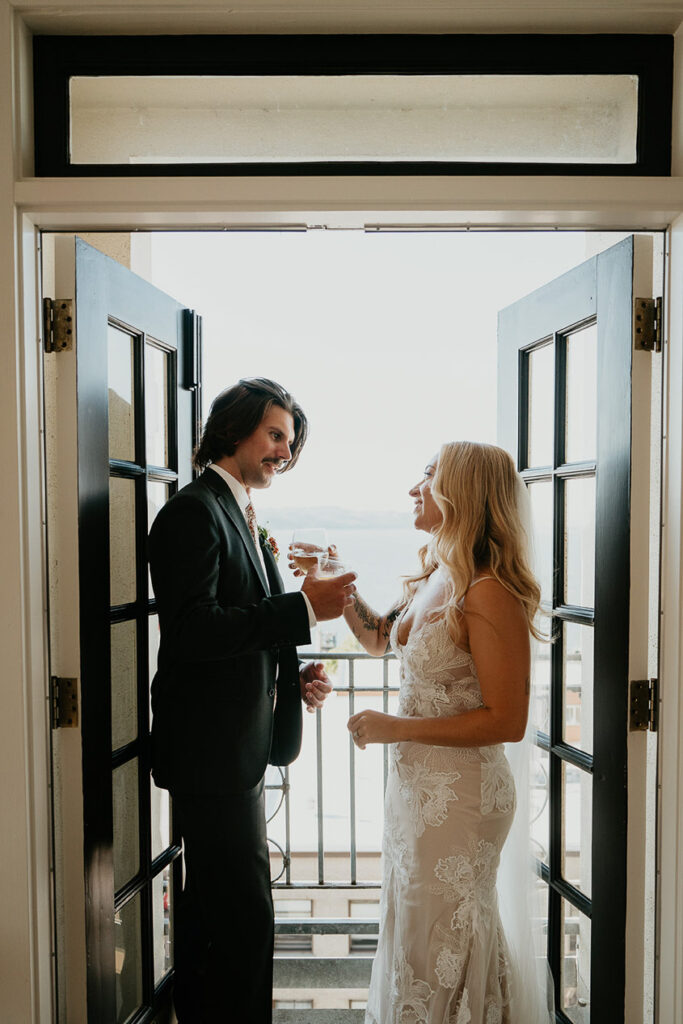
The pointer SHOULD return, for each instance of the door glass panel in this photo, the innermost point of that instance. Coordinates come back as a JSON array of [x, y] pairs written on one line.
[[126, 823], [541, 369], [154, 641], [539, 921], [582, 379], [540, 685], [577, 726], [579, 531], [156, 405], [162, 909], [577, 830], [576, 961], [161, 820], [122, 540], [558, 118], [124, 694], [157, 496], [121, 376], [540, 803], [541, 502], [128, 959]]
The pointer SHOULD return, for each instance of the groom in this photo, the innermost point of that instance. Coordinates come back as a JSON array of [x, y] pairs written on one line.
[[227, 696]]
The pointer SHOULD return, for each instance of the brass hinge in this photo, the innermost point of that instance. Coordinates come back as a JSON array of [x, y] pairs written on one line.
[[58, 325], [64, 699], [644, 712], [647, 324]]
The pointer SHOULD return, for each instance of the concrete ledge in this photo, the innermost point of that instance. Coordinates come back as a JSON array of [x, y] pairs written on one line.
[[322, 972], [326, 926], [318, 1016]]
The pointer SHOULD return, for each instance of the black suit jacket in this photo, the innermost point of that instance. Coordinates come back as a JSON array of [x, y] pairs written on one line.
[[224, 642]]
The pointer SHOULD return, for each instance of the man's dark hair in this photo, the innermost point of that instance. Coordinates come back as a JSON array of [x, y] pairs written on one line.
[[237, 412]]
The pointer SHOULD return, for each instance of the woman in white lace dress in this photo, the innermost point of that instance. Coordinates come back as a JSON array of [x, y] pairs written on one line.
[[461, 634]]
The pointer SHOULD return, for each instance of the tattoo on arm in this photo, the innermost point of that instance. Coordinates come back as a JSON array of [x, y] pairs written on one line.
[[527, 686], [369, 619], [390, 619]]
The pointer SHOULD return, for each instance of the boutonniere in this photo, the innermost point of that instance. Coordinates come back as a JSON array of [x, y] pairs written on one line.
[[267, 538]]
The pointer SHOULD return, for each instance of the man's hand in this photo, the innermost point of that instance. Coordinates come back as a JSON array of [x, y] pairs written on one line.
[[329, 597], [315, 685]]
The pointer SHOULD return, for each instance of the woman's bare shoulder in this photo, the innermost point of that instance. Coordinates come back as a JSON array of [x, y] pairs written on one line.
[[487, 596]]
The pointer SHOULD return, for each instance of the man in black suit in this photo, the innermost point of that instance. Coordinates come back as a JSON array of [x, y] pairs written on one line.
[[227, 696]]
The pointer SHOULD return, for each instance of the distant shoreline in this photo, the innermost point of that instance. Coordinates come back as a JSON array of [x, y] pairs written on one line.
[[333, 517]]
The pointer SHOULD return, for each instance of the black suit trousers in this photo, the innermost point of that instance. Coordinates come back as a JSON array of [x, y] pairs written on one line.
[[224, 916]]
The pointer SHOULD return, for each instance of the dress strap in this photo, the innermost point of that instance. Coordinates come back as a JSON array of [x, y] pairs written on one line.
[[479, 579]]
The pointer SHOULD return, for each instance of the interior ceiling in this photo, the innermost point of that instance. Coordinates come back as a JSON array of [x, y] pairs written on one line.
[[349, 16]]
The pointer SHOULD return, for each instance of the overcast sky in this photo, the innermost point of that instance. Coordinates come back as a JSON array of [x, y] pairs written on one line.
[[388, 341]]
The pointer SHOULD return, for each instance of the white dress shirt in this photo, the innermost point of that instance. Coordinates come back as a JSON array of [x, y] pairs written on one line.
[[241, 496]]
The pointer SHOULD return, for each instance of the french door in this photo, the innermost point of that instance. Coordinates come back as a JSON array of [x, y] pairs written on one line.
[[123, 409], [574, 410]]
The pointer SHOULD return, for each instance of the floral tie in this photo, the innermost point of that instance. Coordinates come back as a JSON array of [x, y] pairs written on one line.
[[251, 522]]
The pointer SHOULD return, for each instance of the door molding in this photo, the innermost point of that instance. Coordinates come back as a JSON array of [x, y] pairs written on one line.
[[413, 203], [114, 205]]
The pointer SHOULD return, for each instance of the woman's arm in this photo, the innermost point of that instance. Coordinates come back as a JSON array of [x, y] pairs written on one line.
[[498, 637], [368, 626]]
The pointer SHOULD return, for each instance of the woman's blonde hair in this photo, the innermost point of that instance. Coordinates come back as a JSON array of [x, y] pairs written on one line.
[[476, 489]]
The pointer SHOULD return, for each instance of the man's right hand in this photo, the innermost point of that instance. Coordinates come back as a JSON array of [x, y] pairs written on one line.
[[329, 596]]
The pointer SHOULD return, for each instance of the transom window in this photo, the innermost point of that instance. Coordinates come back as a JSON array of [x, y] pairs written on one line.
[[448, 104]]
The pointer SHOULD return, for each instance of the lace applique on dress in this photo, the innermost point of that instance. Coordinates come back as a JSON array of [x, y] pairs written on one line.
[[396, 852], [462, 1014], [469, 881], [410, 994], [427, 794], [497, 784]]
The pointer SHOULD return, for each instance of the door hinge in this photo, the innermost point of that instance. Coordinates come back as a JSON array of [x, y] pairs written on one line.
[[647, 324], [644, 711], [64, 700], [58, 325]]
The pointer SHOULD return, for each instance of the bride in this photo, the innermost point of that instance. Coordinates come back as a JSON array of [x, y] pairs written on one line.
[[461, 635]]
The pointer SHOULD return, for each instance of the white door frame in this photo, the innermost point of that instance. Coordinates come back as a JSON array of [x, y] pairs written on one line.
[[29, 205]]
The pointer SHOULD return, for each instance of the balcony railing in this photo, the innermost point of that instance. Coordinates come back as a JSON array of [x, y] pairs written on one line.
[[342, 972]]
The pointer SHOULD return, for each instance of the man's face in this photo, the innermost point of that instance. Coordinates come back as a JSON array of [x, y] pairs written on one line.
[[259, 456]]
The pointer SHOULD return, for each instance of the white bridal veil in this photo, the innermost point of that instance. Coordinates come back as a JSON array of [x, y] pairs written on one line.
[[532, 991]]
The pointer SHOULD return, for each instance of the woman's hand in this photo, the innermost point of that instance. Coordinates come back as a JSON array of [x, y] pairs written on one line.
[[373, 727]]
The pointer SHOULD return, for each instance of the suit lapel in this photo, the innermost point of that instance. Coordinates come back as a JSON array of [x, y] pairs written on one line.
[[227, 502]]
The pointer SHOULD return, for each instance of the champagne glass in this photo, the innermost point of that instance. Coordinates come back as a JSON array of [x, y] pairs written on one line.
[[309, 548], [332, 565]]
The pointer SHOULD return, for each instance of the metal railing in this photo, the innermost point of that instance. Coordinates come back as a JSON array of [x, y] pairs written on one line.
[[351, 691], [307, 972]]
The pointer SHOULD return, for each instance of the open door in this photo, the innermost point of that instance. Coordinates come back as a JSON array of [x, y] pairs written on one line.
[[575, 411], [123, 405]]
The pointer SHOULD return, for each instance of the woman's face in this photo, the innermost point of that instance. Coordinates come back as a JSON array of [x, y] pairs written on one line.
[[427, 513]]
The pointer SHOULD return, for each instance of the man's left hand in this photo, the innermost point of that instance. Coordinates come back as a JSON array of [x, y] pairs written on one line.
[[315, 685]]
